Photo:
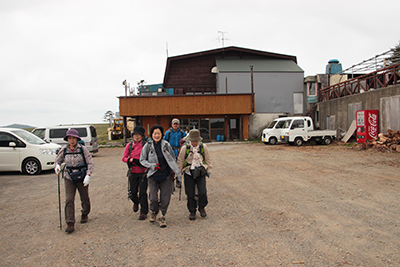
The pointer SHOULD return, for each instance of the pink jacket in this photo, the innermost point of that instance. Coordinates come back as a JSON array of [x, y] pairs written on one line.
[[136, 150]]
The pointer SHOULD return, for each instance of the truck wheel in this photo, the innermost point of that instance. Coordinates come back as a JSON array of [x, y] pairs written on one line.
[[298, 141], [273, 141], [327, 140]]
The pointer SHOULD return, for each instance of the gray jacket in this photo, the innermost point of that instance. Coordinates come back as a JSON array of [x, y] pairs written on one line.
[[148, 157]]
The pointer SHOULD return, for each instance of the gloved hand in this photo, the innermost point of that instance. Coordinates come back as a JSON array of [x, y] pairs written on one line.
[[86, 180], [57, 169], [137, 162], [157, 167], [178, 182]]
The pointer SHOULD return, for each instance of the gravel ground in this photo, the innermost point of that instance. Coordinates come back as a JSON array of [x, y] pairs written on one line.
[[268, 206]]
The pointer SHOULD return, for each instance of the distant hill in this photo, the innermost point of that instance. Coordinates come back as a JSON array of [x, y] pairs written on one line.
[[20, 126]]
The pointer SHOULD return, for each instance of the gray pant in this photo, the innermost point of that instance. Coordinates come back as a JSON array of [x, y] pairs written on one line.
[[70, 190], [165, 188]]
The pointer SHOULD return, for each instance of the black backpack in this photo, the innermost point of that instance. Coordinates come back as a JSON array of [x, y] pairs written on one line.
[[77, 173]]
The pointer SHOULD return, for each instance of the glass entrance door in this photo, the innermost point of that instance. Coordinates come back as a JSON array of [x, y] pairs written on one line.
[[201, 124]]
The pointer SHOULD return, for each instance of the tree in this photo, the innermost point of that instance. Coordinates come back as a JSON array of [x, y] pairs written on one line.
[[109, 116], [395, 57]]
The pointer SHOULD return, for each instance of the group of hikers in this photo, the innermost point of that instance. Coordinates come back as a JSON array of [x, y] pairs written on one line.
[[154, 164]]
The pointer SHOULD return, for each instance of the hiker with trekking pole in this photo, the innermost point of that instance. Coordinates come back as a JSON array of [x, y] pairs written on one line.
[[137, 180], [194, 162], [76, 173], [157, 156]]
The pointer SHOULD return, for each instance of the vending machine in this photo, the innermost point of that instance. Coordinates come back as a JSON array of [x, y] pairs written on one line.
[[367, 125]]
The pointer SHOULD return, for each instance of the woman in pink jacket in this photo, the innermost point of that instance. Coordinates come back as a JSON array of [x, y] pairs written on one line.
[[137, 179]]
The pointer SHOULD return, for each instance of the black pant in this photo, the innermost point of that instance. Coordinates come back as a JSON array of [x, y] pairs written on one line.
[[190, 185], [138, 182]]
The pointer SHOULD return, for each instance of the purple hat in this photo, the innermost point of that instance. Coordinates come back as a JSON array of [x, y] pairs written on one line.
[[73, 133]]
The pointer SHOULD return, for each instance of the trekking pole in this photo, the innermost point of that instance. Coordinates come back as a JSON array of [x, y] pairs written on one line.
[[59, 193]]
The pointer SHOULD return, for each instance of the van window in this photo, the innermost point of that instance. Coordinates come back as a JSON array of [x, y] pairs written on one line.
[[271, 125], [298, 124], [287, 124], [280, 124], [39, 133], [6, 138], [58, 133], [93, 131], [82, 132]]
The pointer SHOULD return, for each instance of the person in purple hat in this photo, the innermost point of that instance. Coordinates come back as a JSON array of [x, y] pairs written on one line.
[[76, 172]]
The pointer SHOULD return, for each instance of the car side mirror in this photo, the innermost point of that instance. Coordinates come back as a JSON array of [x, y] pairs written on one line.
[[12, 144]]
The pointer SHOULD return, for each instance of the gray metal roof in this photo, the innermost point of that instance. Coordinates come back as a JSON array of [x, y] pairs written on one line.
[[259, 65]]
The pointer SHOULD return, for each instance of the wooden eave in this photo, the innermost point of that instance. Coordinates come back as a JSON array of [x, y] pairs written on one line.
[[216, 104]]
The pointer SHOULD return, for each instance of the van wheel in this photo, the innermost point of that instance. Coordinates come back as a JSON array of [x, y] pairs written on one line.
[[327, 140], [31, 166], [298, 141], [272, 141]]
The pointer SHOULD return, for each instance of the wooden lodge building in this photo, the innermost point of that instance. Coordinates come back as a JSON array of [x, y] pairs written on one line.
[[219, 92]]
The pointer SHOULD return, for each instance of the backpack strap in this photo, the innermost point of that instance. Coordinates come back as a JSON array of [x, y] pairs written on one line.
[[188, 151], [169, 134], [130, 148]]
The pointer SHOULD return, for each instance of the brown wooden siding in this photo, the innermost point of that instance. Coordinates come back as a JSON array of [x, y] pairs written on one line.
[[185, 105], [191, 74]]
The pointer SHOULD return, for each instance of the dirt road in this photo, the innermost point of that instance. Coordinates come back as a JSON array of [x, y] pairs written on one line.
[[268, 206]]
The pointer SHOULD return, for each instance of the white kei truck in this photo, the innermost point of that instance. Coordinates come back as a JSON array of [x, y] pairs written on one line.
[[299, 130]]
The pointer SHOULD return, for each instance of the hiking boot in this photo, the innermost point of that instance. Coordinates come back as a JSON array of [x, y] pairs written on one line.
[[142, 216], [84, 219], [203, 212], [192, 216], [135, 207], [162, 222], [70, 228], [153, 216]]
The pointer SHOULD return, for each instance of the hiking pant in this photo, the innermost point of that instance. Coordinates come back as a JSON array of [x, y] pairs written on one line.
[[190, 185], [138, 191], [70, 190], [165, 188]]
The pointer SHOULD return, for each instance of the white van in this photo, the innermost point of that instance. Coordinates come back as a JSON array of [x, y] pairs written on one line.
[[270, 135], [22, 151], [56, 134]]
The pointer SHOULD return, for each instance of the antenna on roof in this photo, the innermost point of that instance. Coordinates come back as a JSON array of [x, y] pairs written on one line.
[[167, 48], [222, 38]]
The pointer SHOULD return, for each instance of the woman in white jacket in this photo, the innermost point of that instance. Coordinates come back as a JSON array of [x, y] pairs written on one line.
[[157, 155]]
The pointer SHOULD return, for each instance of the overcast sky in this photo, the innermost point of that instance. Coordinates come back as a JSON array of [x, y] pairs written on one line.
[[65, 61]]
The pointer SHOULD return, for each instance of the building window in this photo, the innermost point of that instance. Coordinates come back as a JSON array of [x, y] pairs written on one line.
[[311, 89], [217, 127]]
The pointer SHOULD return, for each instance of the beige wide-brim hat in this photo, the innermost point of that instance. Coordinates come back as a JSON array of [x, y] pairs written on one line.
[[194, 135]]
